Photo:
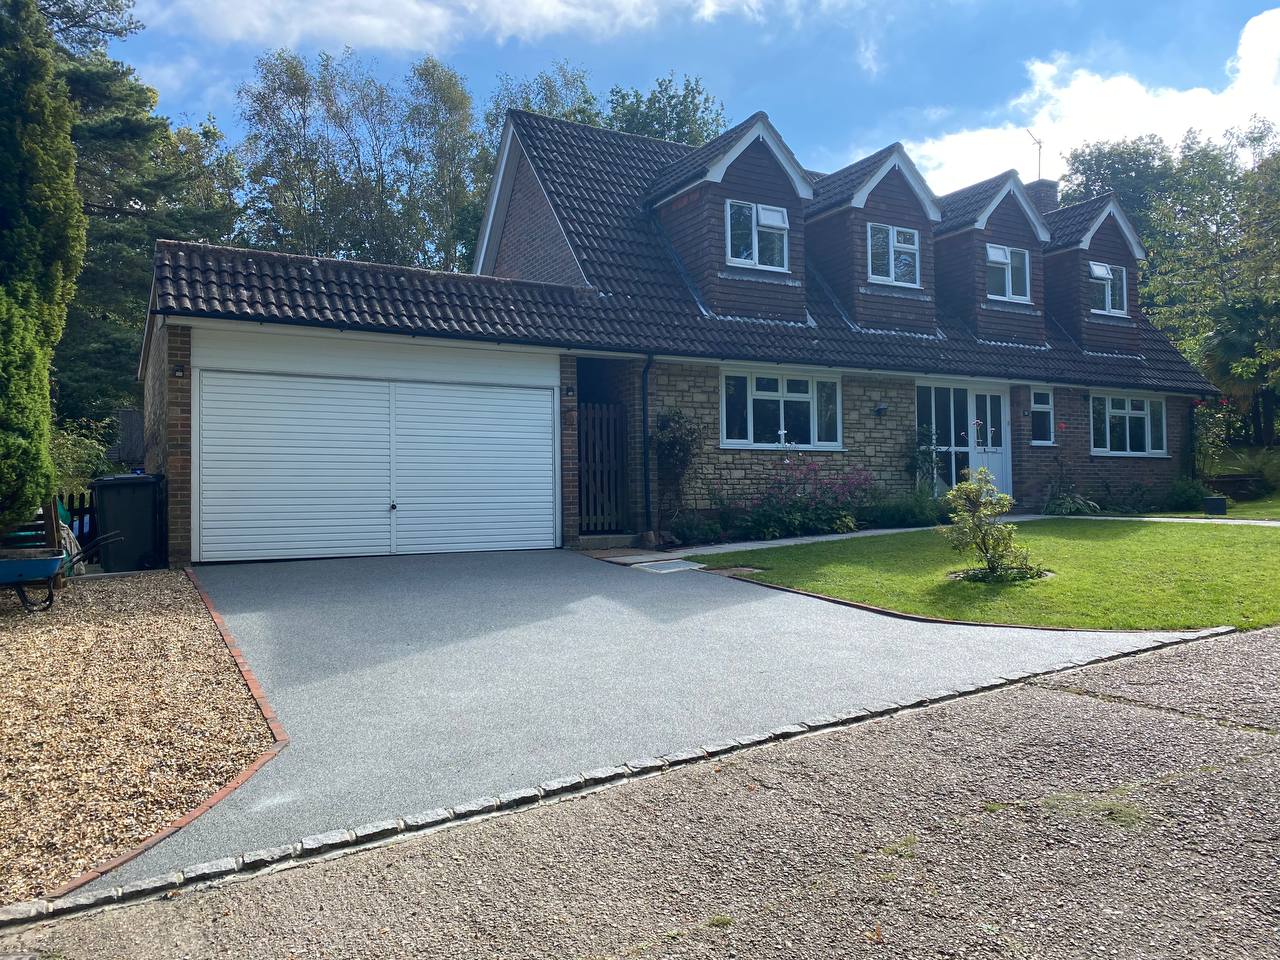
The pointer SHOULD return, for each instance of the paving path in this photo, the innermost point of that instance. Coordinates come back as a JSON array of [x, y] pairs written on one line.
[[1125, 810], [406, 683]]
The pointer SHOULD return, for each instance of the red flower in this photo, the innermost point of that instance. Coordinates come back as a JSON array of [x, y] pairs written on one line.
[[1222, 402], [1197, 402], [1062, 424]]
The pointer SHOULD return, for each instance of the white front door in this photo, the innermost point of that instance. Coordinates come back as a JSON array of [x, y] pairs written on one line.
[[989, 436]]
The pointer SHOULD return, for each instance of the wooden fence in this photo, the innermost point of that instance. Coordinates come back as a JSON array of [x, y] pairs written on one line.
[[84, 517], [602, 477]]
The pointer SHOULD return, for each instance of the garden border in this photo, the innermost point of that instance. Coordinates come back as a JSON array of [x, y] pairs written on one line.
[[337, 843], [279, 741]]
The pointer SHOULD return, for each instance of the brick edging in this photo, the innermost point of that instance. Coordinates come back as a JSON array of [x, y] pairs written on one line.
[[335, 843], [279, 741]]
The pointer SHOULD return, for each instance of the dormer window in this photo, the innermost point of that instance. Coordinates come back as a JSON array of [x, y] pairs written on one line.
[[1108, 289], [1008, 273], [755, 235], [893, 255]]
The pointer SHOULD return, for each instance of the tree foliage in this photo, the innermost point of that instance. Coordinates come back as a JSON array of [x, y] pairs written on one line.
[[975, 507], [41, 250], [685, 113], [1208, 212]]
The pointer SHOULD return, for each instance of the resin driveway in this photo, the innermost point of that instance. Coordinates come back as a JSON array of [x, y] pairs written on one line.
[[406, 683]]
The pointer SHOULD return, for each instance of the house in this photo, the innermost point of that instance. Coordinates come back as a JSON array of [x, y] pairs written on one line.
[[308, 407]]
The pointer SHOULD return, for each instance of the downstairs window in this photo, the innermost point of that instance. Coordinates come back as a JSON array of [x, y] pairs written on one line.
[[779, 408], [1127, 426]]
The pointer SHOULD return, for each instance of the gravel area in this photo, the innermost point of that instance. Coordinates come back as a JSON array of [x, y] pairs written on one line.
[[122, 710], [1033, 821]]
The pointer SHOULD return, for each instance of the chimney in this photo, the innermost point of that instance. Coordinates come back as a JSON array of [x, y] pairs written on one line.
[[1044, 194]]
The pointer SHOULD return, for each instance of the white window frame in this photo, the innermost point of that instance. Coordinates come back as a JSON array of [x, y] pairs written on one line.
[[754, 263], [1043, 408], [782, 375], [1007, 264], [1103, 449], [893, 246], [1103, 274]]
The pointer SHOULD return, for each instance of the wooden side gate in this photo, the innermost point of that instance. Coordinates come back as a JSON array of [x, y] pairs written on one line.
[[602, 472]]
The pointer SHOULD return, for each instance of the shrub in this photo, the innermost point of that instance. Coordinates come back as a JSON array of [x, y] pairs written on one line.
[[919, 508], [800, 502], [1134, 498], [1263, 462], [1186, 493], [976, 508], [676, 442], [1068, 503], [691, 527], [78, 456]]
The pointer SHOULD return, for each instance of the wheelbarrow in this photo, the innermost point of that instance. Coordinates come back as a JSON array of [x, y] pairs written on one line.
[[24, 566]]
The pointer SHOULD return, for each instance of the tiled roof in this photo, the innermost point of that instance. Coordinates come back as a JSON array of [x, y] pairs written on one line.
[[1068, 225], [637, 300], [698, 160], [839, 187], [960, 209]]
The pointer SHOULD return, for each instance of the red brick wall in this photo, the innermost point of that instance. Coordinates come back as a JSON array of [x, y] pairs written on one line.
[[1035, 468], [167, 429], [695, 224], [838, 243], [531, 245]]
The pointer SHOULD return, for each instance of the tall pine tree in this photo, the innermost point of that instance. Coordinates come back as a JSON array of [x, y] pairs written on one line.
[[41, 249]]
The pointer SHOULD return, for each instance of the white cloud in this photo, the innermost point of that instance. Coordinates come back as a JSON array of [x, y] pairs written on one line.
[[432, 24], [1066, 107]]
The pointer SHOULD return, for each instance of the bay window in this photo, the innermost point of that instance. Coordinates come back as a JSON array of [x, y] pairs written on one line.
[[779, 408], [893, 255], [755, 235], [1042, 417], [1008, 273], [1127, 426], [1108, 292]]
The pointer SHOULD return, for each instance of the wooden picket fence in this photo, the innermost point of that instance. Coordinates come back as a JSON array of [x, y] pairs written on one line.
[[84, 517], [602, 477]]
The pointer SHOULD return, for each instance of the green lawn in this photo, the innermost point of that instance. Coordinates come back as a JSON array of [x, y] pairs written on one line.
[[1107, 573], [1268, 508]]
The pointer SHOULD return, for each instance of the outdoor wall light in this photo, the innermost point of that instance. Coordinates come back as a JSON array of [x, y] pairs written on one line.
[[570, 392], [881, 409], [179, 370]]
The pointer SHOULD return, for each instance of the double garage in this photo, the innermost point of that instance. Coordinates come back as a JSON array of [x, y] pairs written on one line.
[[319, 444]]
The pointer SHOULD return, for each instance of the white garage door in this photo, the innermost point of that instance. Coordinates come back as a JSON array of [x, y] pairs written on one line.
[[310, 467]]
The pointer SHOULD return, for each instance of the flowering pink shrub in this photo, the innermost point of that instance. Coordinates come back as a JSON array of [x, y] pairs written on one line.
[[800, 501]]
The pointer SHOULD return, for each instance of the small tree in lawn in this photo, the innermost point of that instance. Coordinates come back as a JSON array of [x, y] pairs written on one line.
[[976, 507]]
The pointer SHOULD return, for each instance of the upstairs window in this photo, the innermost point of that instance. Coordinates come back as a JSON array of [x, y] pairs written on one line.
[[755, 235], [1042, 418], [893, 255], [1008, 273], [1127, 426], [1108, 291], [779, 408]]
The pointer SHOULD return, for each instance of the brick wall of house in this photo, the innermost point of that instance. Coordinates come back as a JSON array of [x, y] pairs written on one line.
[[569, 508], [531, 245], [1067, 292], [694, 222], [1036, 468], [167, 429], [880, 444], [839, 245]]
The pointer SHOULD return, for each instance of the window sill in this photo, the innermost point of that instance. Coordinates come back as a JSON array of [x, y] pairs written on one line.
[[899, 291], [798, 448], [761, 267], [1042, 443], [1021, 307], [881, 282], [1102, 316], [1110, 454]]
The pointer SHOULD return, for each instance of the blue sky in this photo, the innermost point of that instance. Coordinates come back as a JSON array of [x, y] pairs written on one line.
[[956, 81]]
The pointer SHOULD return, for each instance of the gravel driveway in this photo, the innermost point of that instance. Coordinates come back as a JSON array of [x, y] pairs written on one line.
[[406, 683], [1126, 810]]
